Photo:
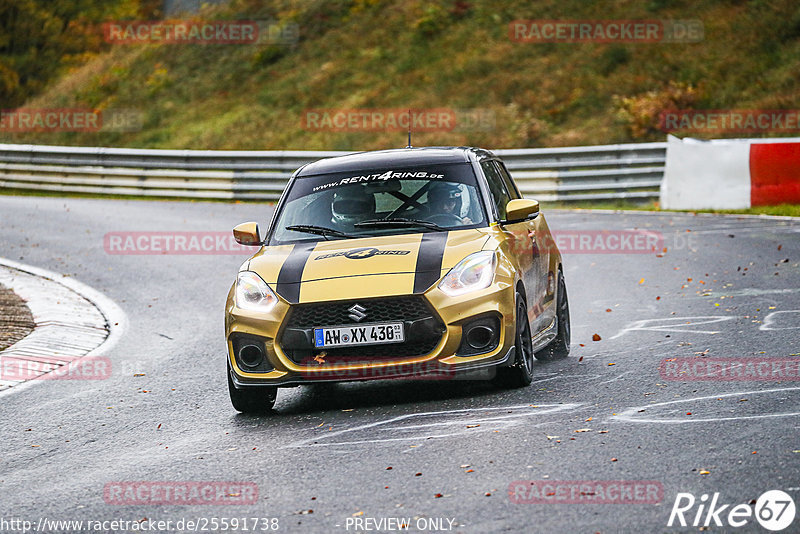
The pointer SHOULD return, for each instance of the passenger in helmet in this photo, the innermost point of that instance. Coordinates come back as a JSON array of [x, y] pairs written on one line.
[[352, 204], [444, 203]]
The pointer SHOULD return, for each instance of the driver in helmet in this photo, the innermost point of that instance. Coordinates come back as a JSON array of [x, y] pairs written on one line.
[[351, 205], [445, 199]]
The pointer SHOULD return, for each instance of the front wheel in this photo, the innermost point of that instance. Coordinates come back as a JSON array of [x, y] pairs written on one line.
[[520, 374], [257, 399], [559, 347]]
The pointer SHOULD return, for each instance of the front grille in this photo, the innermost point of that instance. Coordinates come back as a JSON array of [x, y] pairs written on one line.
[[411, 308], [378, 311]]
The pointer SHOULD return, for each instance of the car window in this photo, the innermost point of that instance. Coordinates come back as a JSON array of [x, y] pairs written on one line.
[[446, 195], [497, 188], [512, 188]]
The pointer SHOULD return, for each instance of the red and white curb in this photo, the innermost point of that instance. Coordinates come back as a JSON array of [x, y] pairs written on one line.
[[72, 320]]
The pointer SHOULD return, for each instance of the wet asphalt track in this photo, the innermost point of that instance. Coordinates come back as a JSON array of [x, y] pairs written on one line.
[[327, 449]]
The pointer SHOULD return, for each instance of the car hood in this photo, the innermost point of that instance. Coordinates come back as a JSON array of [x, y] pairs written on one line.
[[361, 268]]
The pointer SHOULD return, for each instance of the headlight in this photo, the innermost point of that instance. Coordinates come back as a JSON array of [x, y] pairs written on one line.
[[472, 273], [252, 293]]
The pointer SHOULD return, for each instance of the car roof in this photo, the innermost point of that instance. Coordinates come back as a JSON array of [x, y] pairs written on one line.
[[400, 157]]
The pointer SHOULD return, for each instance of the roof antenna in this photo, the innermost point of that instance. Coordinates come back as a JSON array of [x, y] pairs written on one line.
[[409, 129]]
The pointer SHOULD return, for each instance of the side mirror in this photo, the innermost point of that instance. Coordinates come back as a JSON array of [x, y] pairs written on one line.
[[520, 209], [247, 234]]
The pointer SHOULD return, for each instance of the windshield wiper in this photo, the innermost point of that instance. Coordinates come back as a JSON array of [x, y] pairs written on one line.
[[399, 222], [319, 230]]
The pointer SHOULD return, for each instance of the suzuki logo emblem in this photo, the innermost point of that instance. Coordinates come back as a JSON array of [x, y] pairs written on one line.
[[357, 312]]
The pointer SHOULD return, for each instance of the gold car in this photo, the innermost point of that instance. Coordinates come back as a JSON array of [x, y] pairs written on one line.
[[418, 262]]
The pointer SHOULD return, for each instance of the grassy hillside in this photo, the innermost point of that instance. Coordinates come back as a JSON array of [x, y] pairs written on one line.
[[440, 54]]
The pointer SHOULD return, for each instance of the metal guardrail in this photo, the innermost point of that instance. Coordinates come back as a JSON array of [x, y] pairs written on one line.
[[547, 174]]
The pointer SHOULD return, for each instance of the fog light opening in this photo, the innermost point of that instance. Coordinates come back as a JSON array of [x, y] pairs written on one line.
[[251, 355], [480, 337]]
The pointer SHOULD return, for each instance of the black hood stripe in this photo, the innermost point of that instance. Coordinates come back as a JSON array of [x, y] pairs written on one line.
[[429, 260], [291, 273]]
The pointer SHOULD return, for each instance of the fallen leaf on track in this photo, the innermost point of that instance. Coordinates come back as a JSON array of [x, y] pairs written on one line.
[[596, 337], [583, 430]]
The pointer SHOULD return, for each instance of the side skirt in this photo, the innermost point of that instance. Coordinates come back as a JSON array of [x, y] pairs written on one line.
[[543, 338]]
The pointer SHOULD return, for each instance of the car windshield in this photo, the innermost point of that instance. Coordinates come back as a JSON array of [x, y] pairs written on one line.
[[380, 202]]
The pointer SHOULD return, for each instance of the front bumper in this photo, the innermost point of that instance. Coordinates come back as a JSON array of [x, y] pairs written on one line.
[[291, 360]]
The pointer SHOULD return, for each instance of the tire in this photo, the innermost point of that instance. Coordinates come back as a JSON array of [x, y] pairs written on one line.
[[559, 347], [520, 374], [258, 399]]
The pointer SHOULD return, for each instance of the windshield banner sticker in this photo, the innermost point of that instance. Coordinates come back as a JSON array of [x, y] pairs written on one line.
[[401, 175]]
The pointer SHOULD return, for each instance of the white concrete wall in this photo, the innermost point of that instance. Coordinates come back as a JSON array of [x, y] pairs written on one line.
[[706, 174]]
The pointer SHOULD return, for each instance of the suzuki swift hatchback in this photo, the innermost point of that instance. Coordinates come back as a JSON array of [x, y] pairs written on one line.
[[418, 262]]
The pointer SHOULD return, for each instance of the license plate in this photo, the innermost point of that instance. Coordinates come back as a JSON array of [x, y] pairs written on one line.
[[368, 334]]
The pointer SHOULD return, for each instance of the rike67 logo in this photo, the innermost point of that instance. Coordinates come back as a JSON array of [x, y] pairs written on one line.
[[774, 510]]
